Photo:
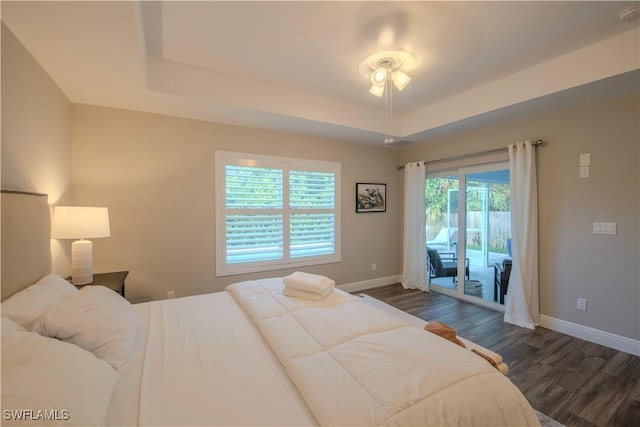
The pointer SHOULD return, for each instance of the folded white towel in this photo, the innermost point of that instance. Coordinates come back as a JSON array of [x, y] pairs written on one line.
[[290, 292], [308, 282]]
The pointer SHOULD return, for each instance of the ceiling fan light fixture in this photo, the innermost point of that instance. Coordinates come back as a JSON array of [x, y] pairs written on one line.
[[376, 90], [387, 65], [381, 69], [400, 79], [379, 76]]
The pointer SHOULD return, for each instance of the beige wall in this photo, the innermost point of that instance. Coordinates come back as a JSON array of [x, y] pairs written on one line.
[[574, 262], [156, 175], [36, 146]]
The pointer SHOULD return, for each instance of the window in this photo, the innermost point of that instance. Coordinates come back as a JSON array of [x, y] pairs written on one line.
[[275, 212]]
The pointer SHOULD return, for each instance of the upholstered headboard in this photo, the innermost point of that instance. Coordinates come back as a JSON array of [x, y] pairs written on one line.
[[26, 237]]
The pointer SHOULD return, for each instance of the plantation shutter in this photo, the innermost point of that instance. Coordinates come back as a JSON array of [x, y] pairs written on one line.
[[313, 228], [275, 213], [254, 214]]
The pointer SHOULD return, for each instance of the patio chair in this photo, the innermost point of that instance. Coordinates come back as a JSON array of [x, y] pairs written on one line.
[[445, 264], [502, 272]]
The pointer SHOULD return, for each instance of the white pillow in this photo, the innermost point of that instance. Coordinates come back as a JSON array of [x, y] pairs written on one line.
[[57, 383], [10, 328], [95, 318], [25, 306]]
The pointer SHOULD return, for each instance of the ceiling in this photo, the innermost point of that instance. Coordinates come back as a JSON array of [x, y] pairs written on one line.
[[293, 66]]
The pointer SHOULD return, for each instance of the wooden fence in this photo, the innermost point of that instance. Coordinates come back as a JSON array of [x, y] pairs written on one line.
[[499, 228]]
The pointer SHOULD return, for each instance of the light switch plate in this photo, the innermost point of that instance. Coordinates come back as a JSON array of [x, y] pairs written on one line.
[[585, 159], [605, 228]]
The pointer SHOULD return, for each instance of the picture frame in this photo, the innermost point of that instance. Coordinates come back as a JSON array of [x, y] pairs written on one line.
[[371, 197]]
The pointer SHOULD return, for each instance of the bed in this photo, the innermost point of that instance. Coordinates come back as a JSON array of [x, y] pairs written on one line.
[[246, 356]]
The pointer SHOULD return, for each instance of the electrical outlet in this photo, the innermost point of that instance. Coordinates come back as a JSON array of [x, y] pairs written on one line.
[[170, 295], [581, 304], [374, 267]]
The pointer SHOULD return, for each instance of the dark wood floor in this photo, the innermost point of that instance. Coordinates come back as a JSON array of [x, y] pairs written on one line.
[[576, 382]]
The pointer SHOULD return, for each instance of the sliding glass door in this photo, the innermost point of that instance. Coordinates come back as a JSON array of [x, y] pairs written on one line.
[[442, 211], [488, 228], [469, 231]]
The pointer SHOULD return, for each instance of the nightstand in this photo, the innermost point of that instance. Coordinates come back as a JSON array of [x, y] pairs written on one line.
[[114, 280]]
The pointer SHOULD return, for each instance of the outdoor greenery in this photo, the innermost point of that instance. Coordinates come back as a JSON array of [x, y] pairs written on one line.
[[442, 200], [437, 193], [437, 190]]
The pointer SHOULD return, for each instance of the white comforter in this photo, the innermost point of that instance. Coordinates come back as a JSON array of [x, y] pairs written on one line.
[[202, 362], [354, 364]]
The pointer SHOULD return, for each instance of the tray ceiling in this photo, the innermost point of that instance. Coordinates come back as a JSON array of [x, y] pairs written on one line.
[[293, 65]]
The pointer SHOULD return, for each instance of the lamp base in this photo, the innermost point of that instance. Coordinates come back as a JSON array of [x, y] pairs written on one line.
[[81, 262]]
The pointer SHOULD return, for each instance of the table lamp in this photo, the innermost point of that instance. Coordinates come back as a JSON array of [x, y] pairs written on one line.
[[78, 222]]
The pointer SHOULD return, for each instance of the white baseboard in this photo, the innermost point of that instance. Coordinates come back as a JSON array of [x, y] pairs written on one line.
[[368, 284], [607, 339]]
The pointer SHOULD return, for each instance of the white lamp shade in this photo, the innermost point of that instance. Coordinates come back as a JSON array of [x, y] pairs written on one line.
[[78, 222], [400, 79], [376, 90]]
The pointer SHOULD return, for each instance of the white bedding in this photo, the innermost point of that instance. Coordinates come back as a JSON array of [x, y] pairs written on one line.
[[416, 321], [355, 364], [201, 361]]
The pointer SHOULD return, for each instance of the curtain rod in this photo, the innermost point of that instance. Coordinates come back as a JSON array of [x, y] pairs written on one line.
[[471, 155]]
